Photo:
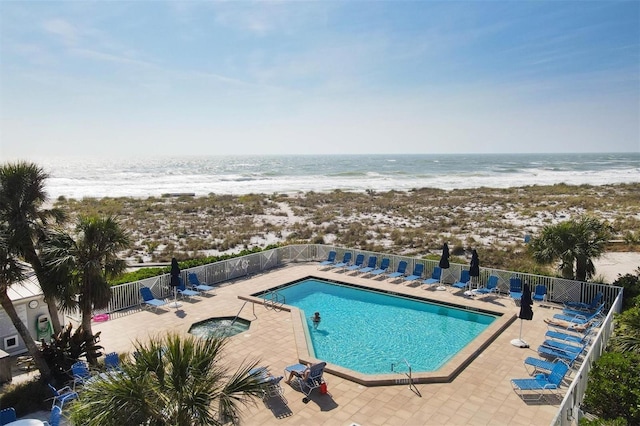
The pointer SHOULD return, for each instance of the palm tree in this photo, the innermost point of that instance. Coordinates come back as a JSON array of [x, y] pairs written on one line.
[[22, 197], [91, 259], [172, 380], [12, 271], [574, 243]]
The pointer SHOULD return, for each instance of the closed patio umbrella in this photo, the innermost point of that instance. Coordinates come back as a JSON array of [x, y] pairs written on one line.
[[474, 268], [175, 281], [444, 261], [526, 313]]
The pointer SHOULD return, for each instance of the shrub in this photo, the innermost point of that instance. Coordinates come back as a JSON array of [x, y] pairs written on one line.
[[613, 389], [26, 397]]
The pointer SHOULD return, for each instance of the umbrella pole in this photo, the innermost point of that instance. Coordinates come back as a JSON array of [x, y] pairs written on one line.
[[175, 303], [519, 342]]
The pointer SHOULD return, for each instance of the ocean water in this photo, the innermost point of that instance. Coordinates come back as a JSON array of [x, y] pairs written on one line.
[[153, 176]]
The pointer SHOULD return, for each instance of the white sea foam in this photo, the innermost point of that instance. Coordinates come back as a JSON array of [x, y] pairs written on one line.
[[289, 174]]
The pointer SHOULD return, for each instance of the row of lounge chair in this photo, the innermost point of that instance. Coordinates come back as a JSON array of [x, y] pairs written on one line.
[[415, 278], [196, 288], [566, 341]]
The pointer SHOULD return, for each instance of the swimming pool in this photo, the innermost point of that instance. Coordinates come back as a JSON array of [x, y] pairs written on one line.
[[373, 332]]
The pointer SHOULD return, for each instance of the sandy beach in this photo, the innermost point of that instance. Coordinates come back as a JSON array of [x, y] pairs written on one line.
[[415, 223]]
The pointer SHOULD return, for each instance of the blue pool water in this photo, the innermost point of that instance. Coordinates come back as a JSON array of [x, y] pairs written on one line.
[[368, 331]]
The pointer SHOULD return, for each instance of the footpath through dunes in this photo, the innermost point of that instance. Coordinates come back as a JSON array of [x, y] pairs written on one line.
[[415, 222]]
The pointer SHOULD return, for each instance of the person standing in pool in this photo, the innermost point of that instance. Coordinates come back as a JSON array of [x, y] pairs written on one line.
[[316, 320]]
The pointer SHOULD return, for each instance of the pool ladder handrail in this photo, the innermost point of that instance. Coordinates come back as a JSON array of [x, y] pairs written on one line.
[[241, 308], [412, 385], [273, 300]]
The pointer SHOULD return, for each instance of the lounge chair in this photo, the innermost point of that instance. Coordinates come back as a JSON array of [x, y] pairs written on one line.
[[549, 352], [331, 259], [196, 284], [580, 318], [515, 288], [463, 282], [402, 269], [384, 265], [270, 384], [62, 395], [149, 300], [435, 276], [183, 291], [570, 326], [539, 365], [541, 383], [357, 264], [490, 287], [564, 346], [592, 306], [314, 379], [8, 415], [572, 338], [54, 417], [346, 260], [80, 372], [112, 361], [540, 294], [371, 265], [418, 269]]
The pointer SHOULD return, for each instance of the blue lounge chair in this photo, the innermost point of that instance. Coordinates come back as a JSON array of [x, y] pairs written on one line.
[[196, 284], [580, 318], [149, 300], [595, 302], [515, 288], [346, 260], [357, 264], [540, 294], [314, 379], [491, 287], [463, 282], [541, 383], [564, 346], [62, 395], [435, 276], [384, 265], [112, 361], [402, 269], [80, 372], [371, 265], [549, 352], [571, 338], [8, 415], [331, 259], [418, 269], [54, 417], [183, 291], [539, 365]]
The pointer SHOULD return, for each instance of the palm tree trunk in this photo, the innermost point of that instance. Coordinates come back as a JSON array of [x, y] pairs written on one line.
[[581, 268], [8, 307]]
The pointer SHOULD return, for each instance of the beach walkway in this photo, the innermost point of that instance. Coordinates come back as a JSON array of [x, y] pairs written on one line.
[[480, 395]]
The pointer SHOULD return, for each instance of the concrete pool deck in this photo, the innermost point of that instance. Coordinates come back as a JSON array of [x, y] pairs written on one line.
[[479, 394]]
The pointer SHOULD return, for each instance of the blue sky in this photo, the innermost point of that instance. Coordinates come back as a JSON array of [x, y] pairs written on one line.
[[277, 77]]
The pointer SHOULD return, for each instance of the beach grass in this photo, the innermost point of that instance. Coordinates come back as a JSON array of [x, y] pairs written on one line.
[[415, 223]]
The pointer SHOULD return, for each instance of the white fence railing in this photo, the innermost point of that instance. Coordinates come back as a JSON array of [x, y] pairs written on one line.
[[569, 412], [126, 296]]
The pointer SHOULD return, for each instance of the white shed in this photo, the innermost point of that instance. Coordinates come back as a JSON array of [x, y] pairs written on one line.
[[29, 302]]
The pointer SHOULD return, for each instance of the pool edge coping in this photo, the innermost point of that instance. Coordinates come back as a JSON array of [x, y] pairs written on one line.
[[445, 374]]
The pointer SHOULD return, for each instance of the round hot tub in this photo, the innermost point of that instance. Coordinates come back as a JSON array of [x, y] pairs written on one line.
[[219, 327]]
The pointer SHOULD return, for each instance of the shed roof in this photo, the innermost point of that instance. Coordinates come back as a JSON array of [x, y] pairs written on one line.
[[25, 289]]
